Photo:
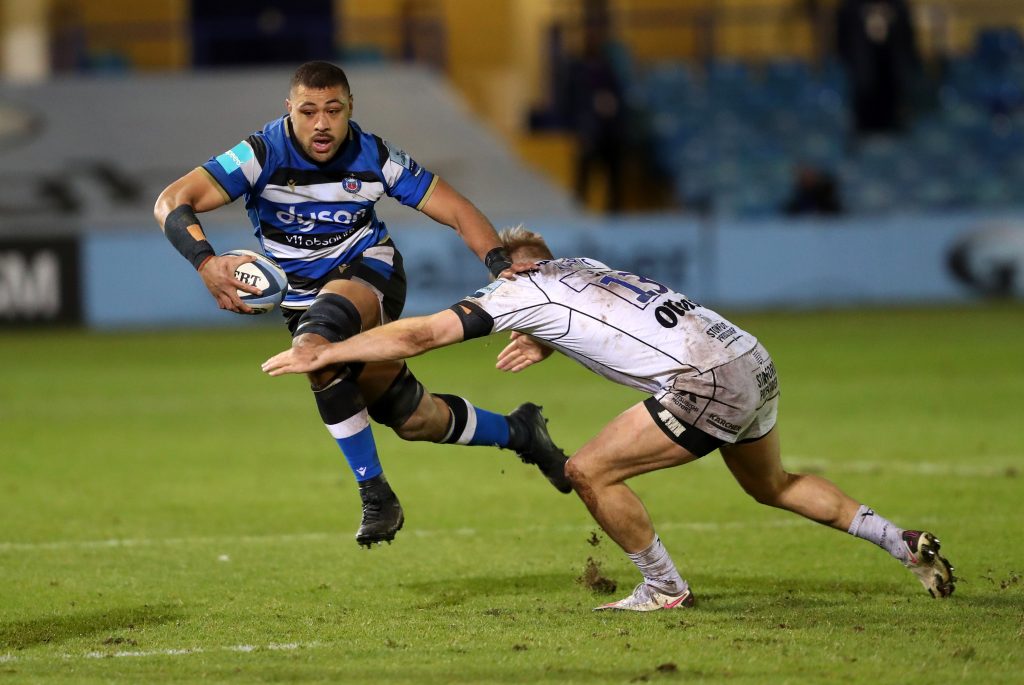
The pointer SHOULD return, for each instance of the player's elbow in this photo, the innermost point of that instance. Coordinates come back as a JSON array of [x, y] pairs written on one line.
[[160, 210], [181, 192], [165, 202]]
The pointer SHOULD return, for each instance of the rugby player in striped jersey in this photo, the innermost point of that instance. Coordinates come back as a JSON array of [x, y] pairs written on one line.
[[310, 180]]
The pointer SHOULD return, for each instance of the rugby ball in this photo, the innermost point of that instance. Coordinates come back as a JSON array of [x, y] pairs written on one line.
[[266, 275]]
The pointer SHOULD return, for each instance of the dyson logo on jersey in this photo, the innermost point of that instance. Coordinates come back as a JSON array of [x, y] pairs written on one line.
[[309, 221]]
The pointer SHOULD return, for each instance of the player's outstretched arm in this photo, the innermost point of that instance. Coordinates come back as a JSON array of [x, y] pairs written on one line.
[[521, 352], [175, 212], [397, 340]]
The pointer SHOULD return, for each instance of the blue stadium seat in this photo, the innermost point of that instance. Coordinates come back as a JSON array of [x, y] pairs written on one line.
[[733, 134], [995, 48]]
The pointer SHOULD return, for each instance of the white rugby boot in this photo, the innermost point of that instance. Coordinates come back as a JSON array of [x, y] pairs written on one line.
[[646, 598]]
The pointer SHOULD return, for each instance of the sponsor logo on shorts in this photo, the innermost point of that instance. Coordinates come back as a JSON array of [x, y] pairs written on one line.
[[687, 403], [674, 425], [767, 381], [724, 425]]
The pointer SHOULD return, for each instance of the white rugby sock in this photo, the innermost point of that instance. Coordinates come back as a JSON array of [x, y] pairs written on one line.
[[658, 570], [877, 529]]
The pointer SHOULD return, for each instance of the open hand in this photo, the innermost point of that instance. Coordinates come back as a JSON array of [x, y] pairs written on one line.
[[521, 352], [300, 359]]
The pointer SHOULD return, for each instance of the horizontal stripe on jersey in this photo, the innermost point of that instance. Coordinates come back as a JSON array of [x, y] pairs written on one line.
[[313, 218]]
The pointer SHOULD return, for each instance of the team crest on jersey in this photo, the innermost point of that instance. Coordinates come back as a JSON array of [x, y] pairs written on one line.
[[351, 185]]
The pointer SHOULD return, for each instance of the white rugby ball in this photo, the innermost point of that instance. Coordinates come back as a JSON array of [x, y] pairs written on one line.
[[266, 275]]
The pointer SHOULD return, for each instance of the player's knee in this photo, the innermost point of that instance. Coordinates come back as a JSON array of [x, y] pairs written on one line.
[[331, 316], [766, 497], [397, 406]]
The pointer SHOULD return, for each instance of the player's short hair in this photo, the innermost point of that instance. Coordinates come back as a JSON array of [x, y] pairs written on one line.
[[519, 238], [319, 75]]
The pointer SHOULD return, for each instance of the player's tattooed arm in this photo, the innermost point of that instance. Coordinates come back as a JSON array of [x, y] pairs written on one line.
[[521, 352]]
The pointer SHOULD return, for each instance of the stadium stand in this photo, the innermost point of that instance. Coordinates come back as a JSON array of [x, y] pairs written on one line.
[[732, 134]]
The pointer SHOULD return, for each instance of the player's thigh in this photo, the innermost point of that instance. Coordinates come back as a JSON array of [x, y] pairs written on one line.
[[628, 446], [756, 465]]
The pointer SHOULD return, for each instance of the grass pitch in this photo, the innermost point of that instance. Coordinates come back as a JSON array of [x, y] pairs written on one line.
[[170, 514]]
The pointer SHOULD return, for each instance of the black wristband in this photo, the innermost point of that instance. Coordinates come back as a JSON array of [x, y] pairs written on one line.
[[176, 230], [497, 260]]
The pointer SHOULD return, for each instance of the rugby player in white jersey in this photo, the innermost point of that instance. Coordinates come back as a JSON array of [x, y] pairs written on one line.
[[712, 384], [310, 180]]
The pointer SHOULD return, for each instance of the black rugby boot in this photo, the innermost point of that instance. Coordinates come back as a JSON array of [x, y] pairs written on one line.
[[382, 513], [528, 436]]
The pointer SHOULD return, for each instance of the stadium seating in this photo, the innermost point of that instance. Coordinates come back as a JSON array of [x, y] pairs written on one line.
[[731, 135]]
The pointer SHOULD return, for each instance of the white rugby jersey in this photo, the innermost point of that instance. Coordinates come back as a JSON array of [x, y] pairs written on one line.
[[311, 217], [625, 327]]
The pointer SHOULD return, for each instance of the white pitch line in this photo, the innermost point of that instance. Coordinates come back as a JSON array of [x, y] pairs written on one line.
[[169, 542], [243, 649], [1009, 468], [184, 651], [153, 652], [321, 537]]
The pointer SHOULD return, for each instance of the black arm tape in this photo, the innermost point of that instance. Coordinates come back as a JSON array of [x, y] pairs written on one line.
[[176, 230], [476, 323], [497, 260]]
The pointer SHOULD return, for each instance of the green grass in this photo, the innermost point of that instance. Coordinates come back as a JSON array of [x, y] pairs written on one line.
[[170, 514]]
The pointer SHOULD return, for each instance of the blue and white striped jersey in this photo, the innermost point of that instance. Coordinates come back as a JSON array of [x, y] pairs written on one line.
[[310, 217]]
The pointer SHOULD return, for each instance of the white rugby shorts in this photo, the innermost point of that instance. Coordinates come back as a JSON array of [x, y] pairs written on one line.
[[735, 402]]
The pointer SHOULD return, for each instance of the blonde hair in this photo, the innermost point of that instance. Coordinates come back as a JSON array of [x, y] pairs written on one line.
[[519, 239]]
